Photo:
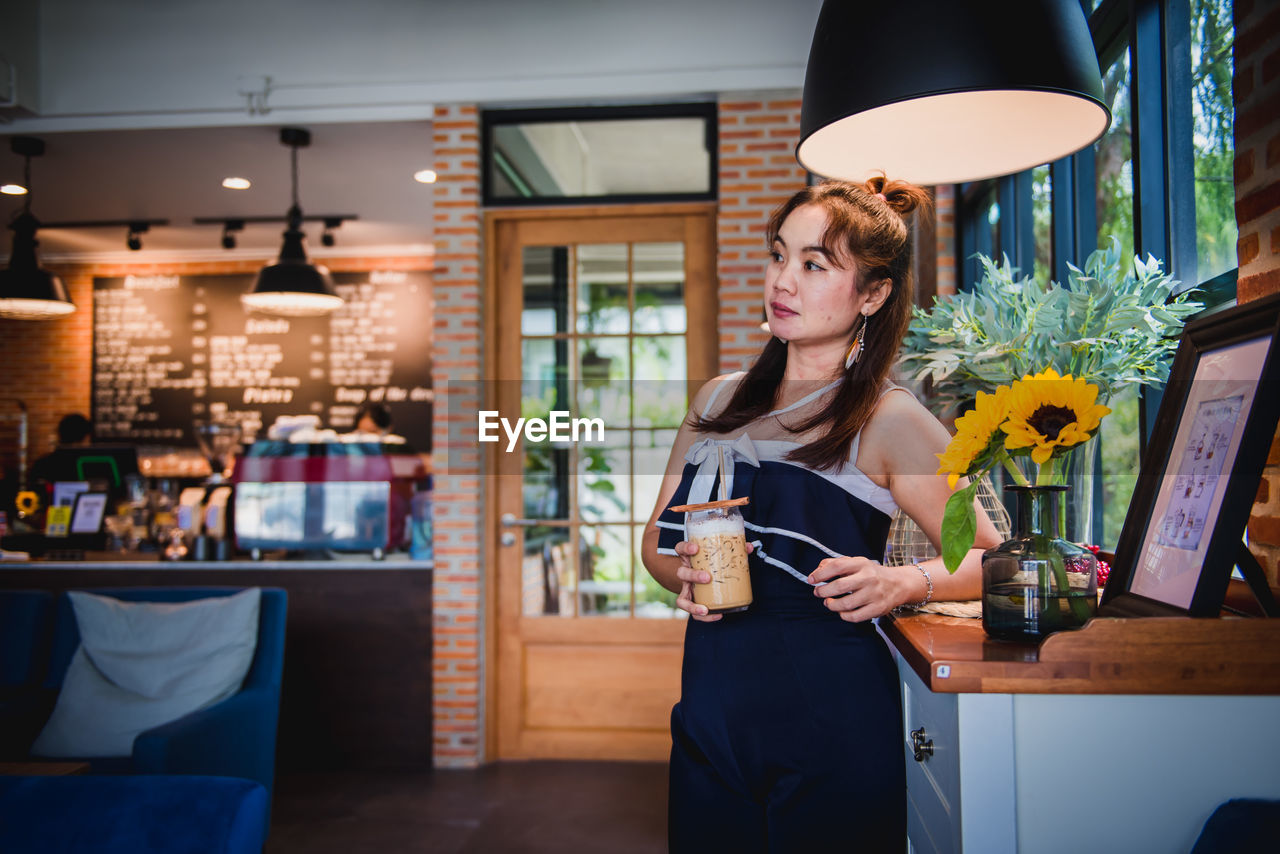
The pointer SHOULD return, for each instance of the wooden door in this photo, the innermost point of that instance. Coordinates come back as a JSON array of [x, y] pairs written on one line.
[[605, 314]]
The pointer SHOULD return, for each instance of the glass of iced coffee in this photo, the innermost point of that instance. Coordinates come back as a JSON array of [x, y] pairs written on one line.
[[716, 528]]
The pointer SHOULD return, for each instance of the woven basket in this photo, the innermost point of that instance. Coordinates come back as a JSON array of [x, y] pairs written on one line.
[[907, 542]]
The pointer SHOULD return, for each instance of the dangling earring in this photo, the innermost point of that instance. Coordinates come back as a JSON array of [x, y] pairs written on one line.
[[855, 349]]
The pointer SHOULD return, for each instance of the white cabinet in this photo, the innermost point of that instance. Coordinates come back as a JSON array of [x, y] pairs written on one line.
[[1071, 773]]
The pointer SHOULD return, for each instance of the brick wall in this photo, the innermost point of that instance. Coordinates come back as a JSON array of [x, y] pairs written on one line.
[[46, 365], [1257, 172], [758, 171], [458, 507]]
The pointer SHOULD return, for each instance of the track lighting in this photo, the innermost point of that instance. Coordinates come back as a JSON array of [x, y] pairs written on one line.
[[228, 232], [292, 286], [134, 238], [26, 291], [330, 223]]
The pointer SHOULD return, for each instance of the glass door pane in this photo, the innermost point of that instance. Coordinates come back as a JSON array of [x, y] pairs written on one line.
[[603, 335]]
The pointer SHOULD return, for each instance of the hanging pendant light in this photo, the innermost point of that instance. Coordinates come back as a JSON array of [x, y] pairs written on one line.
[[940, 91], [26, 291], [292, 286]]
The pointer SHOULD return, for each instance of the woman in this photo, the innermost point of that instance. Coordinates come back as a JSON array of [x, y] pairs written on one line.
[[788, 734]]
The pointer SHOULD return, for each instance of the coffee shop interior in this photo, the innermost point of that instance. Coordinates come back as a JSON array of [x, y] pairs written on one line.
[[265, 587]]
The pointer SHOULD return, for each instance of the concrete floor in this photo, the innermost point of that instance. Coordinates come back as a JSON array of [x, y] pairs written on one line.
[[503, 808]]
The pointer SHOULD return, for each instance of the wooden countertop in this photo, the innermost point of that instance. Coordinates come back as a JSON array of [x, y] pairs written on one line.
[[104, 561], [1147, 655]]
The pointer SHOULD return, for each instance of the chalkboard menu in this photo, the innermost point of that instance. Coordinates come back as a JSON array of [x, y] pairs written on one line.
[[170, 350]]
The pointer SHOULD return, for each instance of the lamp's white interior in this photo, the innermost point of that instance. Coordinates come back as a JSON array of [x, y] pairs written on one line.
[[291, 304], [962, 136], [34, 309]]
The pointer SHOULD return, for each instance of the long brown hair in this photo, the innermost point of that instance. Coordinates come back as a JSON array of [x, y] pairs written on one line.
[[867, 223]]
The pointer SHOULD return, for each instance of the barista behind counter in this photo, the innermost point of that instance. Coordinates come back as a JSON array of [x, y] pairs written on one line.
[[308, 489]]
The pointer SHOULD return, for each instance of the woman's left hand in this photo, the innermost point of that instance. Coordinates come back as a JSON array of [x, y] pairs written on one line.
[[856, 588]]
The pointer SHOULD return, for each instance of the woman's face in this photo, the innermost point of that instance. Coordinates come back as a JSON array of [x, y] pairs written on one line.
[[810, 296]]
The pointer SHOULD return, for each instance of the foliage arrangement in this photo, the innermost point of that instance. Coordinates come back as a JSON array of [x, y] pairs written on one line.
[[1111, 325], [1054, 354]]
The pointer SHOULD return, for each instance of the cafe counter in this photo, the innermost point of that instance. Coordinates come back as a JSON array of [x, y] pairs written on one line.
[[357, 679], [1122, 736]]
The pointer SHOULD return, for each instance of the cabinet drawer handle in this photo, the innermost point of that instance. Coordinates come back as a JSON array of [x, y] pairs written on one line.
[[921, 745]]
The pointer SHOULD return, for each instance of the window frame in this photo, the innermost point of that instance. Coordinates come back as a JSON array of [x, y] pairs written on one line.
[[1157, 33], [707, 111]]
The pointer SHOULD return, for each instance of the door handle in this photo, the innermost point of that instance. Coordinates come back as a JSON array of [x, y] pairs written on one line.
[[509, 520], [921, 744]]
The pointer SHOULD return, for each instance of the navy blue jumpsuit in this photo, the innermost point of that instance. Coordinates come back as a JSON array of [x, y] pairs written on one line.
[[788, 733]]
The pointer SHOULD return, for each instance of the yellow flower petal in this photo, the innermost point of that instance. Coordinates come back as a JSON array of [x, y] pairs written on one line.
[[1048, 412]]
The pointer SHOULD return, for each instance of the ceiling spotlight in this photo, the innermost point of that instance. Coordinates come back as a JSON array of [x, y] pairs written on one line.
[[237, 183], [228, 229], [425, 176], [134, 238], [13, 189], [292, 286], [26, 291], [330, 223]]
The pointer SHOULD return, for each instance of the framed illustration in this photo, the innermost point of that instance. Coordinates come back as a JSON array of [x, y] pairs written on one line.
[[90, 507], [1182, 535]]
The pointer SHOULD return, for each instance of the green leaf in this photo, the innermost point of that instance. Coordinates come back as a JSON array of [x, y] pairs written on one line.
[[959, 526]]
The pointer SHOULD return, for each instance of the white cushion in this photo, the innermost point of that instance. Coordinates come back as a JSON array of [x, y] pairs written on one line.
[[143, 664]]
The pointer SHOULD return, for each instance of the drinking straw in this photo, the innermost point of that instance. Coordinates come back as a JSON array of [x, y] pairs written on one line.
[[724, 493]]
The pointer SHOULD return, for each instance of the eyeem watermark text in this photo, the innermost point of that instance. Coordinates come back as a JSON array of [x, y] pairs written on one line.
[[558, 427]]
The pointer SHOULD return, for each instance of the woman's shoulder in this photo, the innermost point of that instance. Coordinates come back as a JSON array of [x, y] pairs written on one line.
[[899, 409], [715, 392], [899, 425]]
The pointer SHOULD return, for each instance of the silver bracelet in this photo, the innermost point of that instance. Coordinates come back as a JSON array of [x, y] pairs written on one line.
[[928, 593]]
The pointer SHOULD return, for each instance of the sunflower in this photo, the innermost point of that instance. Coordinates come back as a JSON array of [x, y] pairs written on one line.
[[1048, 412], [27, 502], [976, 430]]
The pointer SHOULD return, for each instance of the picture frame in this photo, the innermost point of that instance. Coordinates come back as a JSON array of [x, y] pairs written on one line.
[[1183, 533], [88, 513]]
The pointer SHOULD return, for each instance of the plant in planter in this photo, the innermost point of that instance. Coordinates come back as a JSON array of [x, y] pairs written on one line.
[[1039, 363], [1114, 324]]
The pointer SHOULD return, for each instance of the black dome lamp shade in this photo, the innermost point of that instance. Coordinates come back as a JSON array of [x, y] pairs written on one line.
[[292, 286], [944, 91], [26, 291]]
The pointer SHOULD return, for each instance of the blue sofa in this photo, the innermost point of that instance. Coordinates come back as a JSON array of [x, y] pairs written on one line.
[[142, 814], [233, 738], [207, 775]]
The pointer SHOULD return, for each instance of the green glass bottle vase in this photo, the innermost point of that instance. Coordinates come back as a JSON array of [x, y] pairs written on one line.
[[1037, 583]]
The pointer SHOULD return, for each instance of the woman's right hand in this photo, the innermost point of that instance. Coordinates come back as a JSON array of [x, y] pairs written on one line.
[[688, 576]]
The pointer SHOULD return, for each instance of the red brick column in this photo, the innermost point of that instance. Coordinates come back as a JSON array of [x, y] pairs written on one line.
[[945, 237], [1257, 174], [758, 171], [458, 507], [48, 366]]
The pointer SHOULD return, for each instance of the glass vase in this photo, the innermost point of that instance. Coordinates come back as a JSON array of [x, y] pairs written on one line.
[[1036, 583], [1077, 504]]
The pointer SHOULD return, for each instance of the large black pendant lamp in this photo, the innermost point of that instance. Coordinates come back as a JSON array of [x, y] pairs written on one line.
[[26, 291], [945, 91], [292, 286]]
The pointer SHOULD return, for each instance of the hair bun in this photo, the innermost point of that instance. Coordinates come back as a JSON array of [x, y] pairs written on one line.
[[899, 195]]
